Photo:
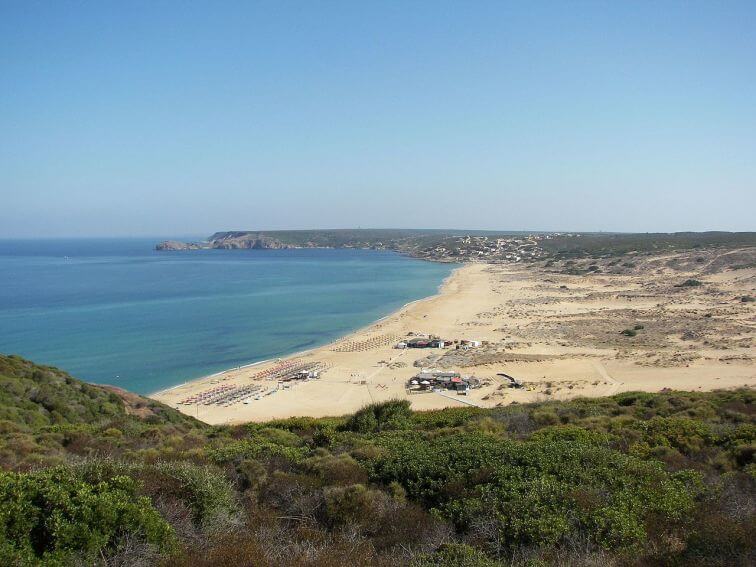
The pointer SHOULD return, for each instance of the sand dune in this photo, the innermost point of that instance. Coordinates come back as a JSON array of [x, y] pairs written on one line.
[[558, 333]]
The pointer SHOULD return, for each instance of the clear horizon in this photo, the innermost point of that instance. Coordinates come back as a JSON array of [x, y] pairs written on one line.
[[190, 118], [202, 237]]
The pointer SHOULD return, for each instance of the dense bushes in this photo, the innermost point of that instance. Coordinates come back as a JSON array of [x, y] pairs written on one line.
[[205, 491], [33, 396], [632, 479], [47, 416], [449, 417], [53, 517], [454, 555], [538, 492], [260, 443], [395, 414], [683, 434]]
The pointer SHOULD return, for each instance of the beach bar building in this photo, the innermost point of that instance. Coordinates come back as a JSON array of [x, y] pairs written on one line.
[[424, 342], [442, 380]]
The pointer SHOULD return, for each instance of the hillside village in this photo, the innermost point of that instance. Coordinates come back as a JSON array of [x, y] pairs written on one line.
[[492, 249]]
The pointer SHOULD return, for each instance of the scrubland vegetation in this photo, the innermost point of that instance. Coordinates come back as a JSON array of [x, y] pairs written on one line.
[[96, 477], [598, 245]]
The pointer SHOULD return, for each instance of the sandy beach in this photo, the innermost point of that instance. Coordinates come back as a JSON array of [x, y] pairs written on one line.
[[559, 334]]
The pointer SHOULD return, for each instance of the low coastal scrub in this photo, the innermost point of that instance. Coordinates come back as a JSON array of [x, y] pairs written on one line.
[[373, 418], [632, 479], [632, 332], [690, 283], [54, 517]]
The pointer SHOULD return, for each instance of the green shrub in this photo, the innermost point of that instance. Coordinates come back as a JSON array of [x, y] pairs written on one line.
[[531, 491], [686, 435], [342, 469], [206, 490], [394, 414], [279, 437], [252, 474], [258, 447], [54, 518], [571, 433], [354, 504], [454, 555], [545, 416], [300, 425], [202, 489], [447, 417]]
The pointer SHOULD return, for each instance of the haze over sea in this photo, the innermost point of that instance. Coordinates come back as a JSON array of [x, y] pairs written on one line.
[[114, 311]]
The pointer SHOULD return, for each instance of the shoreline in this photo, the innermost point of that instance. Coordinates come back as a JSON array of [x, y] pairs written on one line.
[[297, 354], [558, 334], [207, 377]]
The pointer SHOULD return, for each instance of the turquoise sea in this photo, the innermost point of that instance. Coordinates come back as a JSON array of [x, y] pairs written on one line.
[[114, 311]]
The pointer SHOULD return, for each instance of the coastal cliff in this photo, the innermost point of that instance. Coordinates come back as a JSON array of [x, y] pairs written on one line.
[[227, 241], [173, 245]]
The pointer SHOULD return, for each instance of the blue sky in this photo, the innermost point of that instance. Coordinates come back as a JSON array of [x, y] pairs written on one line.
[[163, 118]]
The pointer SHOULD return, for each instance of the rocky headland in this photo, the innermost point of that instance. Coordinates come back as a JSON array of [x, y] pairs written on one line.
[[227, 241]]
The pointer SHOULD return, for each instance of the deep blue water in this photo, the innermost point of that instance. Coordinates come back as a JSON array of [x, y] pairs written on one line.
[[117, 312]]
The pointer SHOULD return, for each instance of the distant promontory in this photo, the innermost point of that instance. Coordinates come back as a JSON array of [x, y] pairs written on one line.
[[228, 241], [471, 245]]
